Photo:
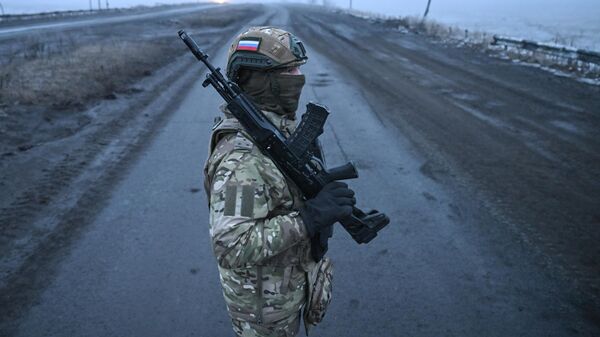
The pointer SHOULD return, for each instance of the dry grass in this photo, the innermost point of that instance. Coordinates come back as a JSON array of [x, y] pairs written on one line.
[[49, 79], [69, 70], [439, 30], [76, 75], [556, 61], [219, 18]]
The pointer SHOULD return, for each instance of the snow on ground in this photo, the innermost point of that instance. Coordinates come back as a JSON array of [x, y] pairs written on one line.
[[567, 22], [584, 34], [563, 62]]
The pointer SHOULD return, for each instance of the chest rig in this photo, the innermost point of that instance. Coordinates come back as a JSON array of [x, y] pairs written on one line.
[[226, 128]]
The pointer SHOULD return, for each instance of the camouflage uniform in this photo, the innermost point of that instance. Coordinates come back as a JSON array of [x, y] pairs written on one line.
[[258, 237]]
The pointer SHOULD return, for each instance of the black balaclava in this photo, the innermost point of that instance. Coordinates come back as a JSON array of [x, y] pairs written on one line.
[[273, 91]]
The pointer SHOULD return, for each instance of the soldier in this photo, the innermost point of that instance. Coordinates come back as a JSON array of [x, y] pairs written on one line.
[[259, 224]]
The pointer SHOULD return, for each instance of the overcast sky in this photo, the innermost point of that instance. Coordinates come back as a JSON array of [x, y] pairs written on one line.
[[562, 9]]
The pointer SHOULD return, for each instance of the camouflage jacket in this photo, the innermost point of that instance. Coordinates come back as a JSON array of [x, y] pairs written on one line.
[[258, 237]]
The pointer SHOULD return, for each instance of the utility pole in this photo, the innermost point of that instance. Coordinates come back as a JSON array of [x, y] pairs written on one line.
[[99, 4], [2, 8], [91, 9], [350, 4], [427, 9], [106, 4]]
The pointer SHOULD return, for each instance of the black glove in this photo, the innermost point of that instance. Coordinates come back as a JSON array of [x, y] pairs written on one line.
[[333, 203]]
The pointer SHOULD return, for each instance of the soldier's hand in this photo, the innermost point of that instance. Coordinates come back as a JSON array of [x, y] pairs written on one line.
[[333, 203]]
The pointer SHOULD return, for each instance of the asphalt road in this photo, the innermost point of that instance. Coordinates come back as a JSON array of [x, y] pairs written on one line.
[[69, 23], [488, 171], [521, 145]]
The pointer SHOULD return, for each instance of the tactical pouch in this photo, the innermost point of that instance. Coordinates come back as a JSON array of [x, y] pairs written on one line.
[[320, 291]]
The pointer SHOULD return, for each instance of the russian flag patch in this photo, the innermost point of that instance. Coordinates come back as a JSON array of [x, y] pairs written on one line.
[[247, 44]]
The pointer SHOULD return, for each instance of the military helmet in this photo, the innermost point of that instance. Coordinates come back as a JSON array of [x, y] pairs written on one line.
[[264, 48]]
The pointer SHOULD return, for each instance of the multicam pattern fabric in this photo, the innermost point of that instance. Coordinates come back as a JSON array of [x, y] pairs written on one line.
[[276, 48], [285, 328], [258, 237], [321, 291]]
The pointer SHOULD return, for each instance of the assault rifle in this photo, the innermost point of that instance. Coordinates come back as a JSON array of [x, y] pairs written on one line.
[[294, 156]]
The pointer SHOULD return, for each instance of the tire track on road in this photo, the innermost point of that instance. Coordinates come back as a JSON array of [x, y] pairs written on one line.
[[107, 154], [519, 187], [70, 194]]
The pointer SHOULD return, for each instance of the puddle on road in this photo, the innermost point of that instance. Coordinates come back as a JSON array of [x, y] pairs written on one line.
[[529, 138], [321, 82], [482, 116], [494, 104], [566, 126], [465, 97]]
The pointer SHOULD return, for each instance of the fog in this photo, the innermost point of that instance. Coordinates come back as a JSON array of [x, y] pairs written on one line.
[[488, 7], [572, 22], [443, 8]]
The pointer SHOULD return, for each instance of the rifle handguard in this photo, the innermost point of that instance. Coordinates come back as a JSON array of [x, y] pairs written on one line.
[[292, 156], [309, 129]]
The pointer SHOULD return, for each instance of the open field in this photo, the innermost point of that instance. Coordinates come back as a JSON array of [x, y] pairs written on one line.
[[50, 81], [46, 79]]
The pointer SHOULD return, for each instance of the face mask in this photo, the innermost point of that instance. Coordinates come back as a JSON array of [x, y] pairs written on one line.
[[274, 92], [290, 88]]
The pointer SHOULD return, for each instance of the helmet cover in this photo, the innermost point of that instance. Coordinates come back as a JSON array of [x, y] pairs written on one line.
[[264, 48]]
